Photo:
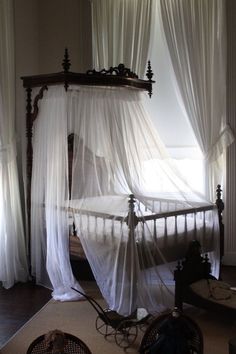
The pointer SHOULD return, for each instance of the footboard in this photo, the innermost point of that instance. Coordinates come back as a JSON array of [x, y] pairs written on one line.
[[167, 232]]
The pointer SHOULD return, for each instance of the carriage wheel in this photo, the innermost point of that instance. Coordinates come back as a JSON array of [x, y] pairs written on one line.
[[102, 327], [126, 334]]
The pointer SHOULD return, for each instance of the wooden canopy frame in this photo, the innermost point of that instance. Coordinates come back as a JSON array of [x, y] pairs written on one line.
[[119, 76]]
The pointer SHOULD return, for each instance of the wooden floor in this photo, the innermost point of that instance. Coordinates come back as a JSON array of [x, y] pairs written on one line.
[[18, 305], [21, 302]]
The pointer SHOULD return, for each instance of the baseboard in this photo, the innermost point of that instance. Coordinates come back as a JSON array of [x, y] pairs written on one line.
[[229, 259]]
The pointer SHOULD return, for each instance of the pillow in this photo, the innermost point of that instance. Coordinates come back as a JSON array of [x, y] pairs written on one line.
[[211, 288]]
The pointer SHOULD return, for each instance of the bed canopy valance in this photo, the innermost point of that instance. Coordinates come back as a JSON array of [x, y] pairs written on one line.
[[133, 212]]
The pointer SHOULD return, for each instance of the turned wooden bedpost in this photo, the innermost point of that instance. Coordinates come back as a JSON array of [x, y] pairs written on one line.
[[29, 151], [132, 219], [178, 286], [220, 206], [31, 115]]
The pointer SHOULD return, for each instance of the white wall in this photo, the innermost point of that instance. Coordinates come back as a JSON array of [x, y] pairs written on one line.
[[26, 62], [26, 55], [64, 23], [42, 30]]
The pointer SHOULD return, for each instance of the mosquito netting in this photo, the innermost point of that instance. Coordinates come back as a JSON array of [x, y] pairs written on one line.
[[116, 152]]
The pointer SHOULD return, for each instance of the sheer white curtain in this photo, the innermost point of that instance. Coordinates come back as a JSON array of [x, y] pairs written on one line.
[[115, 139], [196, 38], [50, 257], [13, 260], [115, 26], [121, 33]]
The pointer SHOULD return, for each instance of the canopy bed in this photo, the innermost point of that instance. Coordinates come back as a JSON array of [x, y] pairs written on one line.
[[131, 232]]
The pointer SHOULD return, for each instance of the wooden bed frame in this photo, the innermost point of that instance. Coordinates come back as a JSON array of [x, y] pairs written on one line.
[[132, 220], [115, 76], [78, 256]]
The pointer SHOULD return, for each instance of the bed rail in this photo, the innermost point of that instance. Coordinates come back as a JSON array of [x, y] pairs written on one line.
[[182, 233]]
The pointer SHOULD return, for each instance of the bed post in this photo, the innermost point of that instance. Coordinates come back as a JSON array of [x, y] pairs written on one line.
[[29, 151], [31, 115], [220, 206], [131, 219], [178, 286]]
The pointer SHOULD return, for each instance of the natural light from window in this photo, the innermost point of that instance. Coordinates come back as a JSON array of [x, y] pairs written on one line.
[[169, 116]]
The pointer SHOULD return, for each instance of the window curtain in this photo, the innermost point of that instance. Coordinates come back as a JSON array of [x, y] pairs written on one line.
[[13, 259], [121, 33], [196, 37]]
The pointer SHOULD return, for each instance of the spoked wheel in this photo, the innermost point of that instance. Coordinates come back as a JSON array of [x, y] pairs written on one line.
[[102, 326], [126, 334]]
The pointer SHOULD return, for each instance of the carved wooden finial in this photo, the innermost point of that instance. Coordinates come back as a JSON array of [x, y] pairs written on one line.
[[219, 201], [218, 191], [66, 66], [149, 75], [179, 265], [66, 61], [131, 202], [132, 219]]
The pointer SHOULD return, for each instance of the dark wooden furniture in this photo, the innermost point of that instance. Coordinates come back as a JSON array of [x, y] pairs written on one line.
[[196, 267], [158, 327], [232, 346]]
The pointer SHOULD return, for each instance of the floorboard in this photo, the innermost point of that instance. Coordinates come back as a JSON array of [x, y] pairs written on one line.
[[18, 305]]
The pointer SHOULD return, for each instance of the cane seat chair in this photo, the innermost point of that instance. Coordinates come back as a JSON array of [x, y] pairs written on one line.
[[58, 342], [178, 325]]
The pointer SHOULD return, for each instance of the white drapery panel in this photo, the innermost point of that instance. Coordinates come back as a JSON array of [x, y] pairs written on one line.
[[121, 33], [113, 139], [196, 38], [49, 193], [13, 260]]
